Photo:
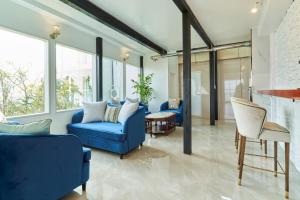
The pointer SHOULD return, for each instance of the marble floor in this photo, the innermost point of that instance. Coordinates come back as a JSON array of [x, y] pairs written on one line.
[[160, 171]]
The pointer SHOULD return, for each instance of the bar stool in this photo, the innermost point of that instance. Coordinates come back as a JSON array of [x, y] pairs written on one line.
[[250, 120], [237, 135]]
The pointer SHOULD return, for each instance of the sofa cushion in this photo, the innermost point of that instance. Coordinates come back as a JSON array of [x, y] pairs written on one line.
[[106, 130], [33, 128], [94, 111], [173, 103], [86, 154]]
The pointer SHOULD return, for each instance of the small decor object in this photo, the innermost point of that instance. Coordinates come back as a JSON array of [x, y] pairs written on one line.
[[126, 111], [143, 88], [173, 103], [2, 118], [56, 32], [94, 112], [112, 113], [41, 127]]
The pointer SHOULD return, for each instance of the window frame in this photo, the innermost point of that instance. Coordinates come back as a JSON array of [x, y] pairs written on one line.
[[93, 72], [46, 73]]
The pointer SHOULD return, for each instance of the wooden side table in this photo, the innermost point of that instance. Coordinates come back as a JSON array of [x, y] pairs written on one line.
[[160, 123]]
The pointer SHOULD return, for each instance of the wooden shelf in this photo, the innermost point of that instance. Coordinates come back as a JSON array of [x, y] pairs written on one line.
[[293, 94]]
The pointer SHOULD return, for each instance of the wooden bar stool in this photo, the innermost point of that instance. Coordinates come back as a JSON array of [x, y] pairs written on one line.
[[250, 120], [237, 135]]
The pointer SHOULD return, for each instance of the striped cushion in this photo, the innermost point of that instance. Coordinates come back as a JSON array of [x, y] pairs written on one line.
[[111, 114]]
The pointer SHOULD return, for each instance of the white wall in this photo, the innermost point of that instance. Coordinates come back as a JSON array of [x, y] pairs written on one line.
[[285, 74], [160, 69], [21, 19], [173, 77], [260, 61]]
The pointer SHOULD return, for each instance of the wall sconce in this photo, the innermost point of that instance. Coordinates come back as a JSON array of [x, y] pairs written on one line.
[[56, 32], [126, 57]]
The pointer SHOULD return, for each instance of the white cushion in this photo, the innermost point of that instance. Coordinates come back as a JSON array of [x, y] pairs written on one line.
[[131, 100], [126, 111], [94, 111], [2, 118], [274, 132]]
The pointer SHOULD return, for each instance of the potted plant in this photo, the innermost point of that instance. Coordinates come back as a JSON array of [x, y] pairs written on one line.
[[143, 88]]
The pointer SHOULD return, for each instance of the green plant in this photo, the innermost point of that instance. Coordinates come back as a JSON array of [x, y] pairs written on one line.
[[143, 88]]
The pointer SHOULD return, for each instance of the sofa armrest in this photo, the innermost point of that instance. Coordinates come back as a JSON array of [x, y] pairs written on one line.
[[164, 106], [134, 127], [49, 164]]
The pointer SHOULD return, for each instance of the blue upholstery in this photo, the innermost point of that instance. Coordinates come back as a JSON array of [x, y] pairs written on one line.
[[34, 167], [108, 136], [106, 130], [164, 107]]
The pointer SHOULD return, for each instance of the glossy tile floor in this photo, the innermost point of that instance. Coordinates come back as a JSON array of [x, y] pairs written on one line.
[[160, 171]]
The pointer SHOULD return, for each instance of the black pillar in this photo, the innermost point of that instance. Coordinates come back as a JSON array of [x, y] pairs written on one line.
[[216, 90], [99, 69], [187, 116], [142, 66], [212, 81]]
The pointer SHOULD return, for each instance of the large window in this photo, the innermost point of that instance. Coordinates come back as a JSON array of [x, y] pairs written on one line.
[[22, 74], [73, 77], [113, 79], [132, 73]]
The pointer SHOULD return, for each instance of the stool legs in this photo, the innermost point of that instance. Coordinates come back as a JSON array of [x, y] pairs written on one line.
[[239, 152], [266, 147], [241, 158], [287, 165], [236, 139], [275, 158]]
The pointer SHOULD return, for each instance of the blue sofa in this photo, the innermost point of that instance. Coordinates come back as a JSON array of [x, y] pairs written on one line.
[[164, 107], [113, 137], [35, 167]]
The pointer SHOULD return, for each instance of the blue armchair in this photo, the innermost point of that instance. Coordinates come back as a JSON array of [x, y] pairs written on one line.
[[41, 167], [164, 107]]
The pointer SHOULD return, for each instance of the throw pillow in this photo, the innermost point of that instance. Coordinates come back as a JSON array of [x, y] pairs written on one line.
[[41, 127], [93, 112], [173, 103], [132, 100], [126, 111], [112, 113], [2, 118]]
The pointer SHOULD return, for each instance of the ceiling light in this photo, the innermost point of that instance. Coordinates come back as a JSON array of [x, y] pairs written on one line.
[[254, 10], [256, 6]]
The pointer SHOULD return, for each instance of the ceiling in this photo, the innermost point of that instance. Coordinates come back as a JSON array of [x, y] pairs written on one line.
[[160, 20]]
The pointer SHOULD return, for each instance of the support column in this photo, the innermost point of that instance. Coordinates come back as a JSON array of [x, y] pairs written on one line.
[[99, 69], [142, 66], [213, 86], [216, 90], [187, 116]]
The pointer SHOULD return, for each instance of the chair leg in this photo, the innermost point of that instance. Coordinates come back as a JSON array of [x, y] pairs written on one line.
[[242, 150], [239, 151], [83, 186], [121, 156], [236, 140], [287, 163], [275, 158], [260, 141], [266, 148]]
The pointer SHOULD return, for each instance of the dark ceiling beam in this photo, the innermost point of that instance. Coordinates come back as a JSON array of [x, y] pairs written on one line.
[[184, 7], [94, 11]]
